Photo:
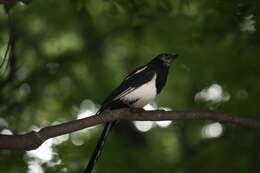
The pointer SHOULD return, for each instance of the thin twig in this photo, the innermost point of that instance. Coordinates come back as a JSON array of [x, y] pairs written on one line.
[[5, 55], [12, 56]]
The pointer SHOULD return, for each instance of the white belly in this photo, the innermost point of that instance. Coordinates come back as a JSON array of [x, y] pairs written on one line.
[[144, 94]]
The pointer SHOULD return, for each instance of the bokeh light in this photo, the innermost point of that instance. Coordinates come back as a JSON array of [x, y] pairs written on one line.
[[212, 130]]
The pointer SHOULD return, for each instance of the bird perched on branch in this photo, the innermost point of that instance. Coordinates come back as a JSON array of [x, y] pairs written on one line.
[[137, 89]]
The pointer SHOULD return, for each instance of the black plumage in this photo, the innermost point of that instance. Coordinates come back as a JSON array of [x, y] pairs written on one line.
[[136, 90]]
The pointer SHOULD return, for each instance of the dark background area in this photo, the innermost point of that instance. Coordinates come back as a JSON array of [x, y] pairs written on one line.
[[70, 54]]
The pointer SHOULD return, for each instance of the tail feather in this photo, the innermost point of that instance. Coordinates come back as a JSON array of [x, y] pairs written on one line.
[[99, 146]]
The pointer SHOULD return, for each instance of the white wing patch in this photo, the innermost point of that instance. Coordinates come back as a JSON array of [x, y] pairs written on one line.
[[124, 93], [138, 71], [143, 94]]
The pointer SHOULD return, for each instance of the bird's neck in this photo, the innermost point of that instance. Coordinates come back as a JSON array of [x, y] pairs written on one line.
[[162, 73]]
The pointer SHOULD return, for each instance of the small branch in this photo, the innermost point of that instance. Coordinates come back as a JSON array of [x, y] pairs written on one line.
[[34, 139], [11, 62]]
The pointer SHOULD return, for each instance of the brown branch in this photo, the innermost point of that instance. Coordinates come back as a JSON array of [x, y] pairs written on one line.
[[34, 139]]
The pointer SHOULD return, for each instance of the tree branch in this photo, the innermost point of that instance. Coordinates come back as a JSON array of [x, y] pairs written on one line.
[[33, 140]]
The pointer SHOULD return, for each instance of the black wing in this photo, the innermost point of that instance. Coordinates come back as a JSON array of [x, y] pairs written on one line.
[[139, 69], [134, 80]]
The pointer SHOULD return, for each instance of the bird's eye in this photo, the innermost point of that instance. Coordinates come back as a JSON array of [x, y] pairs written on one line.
[[166, 57]]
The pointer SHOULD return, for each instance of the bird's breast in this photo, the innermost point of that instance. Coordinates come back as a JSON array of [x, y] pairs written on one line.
[[142, 95]]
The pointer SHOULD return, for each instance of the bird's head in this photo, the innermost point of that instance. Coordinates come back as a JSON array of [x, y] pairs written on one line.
[[165, 59]]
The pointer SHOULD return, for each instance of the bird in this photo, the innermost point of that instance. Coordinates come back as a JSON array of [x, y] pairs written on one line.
[[138, 88]]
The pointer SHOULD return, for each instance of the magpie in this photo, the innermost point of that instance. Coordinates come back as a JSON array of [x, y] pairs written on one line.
[[137, 89]]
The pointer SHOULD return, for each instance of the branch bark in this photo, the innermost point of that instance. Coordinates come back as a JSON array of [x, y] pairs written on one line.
[[33, 140]]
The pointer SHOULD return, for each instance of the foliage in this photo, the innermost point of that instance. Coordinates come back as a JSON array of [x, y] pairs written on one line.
[[71, 54]]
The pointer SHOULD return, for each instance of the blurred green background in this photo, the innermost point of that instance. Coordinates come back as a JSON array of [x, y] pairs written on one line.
[[72, 53]]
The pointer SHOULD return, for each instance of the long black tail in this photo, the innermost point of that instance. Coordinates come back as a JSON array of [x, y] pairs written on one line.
[[99, 146]]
